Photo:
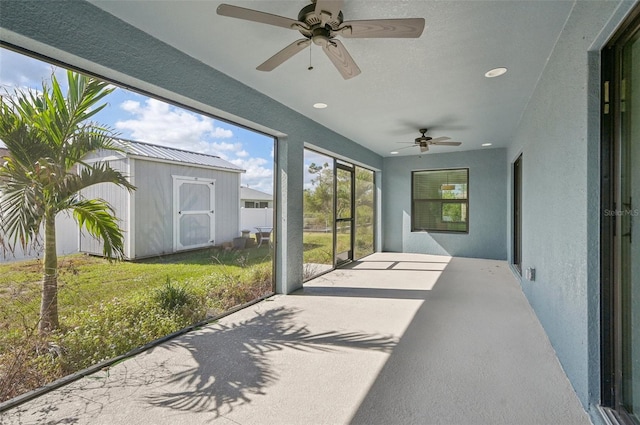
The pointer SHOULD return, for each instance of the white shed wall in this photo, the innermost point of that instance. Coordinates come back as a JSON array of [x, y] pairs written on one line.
[[154, 204], [67, 234], [119, 200]]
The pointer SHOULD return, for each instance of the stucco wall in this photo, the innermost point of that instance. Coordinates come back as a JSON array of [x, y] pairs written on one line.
[[558, 137], [487, 205], [85, 36]]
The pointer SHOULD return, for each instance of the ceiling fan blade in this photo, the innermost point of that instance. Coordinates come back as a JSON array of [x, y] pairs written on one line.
[[284, 54], [407, 147], [446, 143], [439, 139], [327, 10], [424, 148], [383, 28], [260, 17], [341, 59]]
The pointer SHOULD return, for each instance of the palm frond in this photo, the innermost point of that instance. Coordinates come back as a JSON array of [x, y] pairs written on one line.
[[89, 175], [97, 216], [88, 139], [83, 96], [21, 206]]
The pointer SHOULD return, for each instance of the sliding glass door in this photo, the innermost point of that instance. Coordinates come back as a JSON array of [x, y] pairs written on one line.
[[628, 243], [620, 221], [339, 213], [344, 212]]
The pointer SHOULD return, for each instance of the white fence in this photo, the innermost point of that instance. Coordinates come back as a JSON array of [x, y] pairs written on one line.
[[66, 241], [250, 218]]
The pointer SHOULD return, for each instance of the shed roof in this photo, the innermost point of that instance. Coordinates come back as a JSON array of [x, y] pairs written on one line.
[[248, 193], [164, 153]]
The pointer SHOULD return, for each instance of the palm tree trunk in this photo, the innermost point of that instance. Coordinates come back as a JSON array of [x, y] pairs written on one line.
[[49, 304]]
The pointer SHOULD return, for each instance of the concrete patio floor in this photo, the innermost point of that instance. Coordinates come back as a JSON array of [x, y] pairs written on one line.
[[392, 339]]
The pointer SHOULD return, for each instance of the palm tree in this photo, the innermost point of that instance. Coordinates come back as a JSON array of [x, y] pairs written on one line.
[[47, 136]]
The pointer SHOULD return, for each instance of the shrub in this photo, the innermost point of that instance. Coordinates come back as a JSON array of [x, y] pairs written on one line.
[[27, 361], [171, 297], [115, 328]]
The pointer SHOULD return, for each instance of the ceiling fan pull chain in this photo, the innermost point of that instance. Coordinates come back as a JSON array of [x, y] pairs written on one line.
[[310, 66]]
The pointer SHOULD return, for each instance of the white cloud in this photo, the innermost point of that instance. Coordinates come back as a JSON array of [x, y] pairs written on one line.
[[157, 122], [21, 71], [227, 146], [257, 176], [221, 133], [130, 106], [160, 123]]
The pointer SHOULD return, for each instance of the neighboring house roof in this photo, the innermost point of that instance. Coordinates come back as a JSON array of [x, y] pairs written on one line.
[[164, 153], [254, 195]]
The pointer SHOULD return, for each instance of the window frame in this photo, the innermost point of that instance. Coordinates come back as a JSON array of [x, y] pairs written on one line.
[[441, 201]]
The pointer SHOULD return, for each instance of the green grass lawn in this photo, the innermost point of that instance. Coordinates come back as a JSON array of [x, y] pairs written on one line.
[[85, 280], [108, 308], [318, 247]]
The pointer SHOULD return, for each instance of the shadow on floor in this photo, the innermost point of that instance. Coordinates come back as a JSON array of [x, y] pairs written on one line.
[[233, 363]]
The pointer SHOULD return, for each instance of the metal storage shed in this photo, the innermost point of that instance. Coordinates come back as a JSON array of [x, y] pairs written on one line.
[[184, 200]]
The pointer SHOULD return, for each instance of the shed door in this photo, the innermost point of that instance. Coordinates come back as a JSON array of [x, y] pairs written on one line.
[[194, 213]]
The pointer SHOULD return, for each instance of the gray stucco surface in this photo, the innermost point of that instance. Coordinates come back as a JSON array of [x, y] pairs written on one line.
[[487, 205], [87, 37], [558, 137]]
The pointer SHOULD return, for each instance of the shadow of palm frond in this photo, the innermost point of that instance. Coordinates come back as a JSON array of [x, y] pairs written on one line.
[[232, 362]]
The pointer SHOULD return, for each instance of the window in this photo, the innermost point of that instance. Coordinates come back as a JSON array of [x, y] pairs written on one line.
[[256, 204], [440, 200]]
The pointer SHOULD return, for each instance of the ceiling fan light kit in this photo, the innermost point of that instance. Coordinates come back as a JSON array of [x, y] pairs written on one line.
[[424, 141], [321, 22]]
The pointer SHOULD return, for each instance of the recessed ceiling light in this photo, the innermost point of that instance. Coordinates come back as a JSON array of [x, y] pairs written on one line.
[[486, 144], [495, 72], [394, 152], [320, 105]]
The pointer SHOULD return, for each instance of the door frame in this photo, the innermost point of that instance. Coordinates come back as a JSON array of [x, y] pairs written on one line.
[[350, 168], [516, 248], [610, 186], [178, 181]]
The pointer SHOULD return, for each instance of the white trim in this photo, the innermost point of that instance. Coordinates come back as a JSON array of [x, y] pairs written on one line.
[[177, 182], [186, 164], [113, 157], [609, 416], [131, 231]]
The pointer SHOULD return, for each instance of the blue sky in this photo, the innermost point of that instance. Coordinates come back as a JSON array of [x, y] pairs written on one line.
[[137, 117]]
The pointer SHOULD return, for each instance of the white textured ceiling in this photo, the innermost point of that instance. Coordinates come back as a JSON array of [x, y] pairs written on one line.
[[436, 81]]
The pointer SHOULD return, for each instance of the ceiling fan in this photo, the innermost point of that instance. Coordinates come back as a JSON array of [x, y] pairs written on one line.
[[424, 141], [321, 22]]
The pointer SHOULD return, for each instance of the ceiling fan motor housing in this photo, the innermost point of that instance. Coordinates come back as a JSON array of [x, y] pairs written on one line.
[[422, 140], [308, 15]]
